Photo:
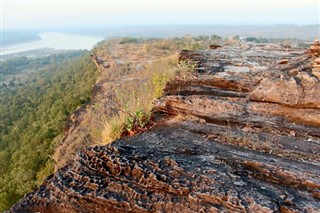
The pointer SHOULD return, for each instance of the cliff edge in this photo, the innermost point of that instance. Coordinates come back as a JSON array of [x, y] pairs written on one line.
[[241, 135]]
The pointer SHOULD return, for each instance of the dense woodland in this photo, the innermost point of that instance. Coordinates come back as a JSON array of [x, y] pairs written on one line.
[[16, 65], [33, 114]]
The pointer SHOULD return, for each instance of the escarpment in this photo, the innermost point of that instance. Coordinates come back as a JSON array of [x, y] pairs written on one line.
[[241, 135]]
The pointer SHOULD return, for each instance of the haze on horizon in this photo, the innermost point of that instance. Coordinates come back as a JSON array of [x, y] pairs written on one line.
[[50, 14]]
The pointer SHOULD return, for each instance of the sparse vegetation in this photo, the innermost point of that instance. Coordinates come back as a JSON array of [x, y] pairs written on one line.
[[133, 78], [139, 88], [128, 40], [134, 99]]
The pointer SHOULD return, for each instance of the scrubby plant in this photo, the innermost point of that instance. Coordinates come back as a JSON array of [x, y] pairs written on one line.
[[159, 81], [185, 69], [134, 99]]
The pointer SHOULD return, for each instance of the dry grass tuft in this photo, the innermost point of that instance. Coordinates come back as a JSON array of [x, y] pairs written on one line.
[[134, 98]]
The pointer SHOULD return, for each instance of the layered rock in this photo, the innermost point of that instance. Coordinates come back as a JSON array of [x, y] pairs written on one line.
[[241, 135], [316, 68], [315, 48]]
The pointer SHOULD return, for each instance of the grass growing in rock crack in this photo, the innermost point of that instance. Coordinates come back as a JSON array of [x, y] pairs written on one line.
[[135, 98]]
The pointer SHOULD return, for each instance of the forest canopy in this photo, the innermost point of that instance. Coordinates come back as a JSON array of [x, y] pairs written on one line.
[[33, 114]]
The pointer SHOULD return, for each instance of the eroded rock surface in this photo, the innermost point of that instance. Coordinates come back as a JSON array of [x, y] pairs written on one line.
[[241, 135]]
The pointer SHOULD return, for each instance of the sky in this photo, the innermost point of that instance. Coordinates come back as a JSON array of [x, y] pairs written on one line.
[[46, 14]]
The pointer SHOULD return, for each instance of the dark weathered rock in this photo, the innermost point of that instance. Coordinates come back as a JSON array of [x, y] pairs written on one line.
[[243, 135], [214, 46]]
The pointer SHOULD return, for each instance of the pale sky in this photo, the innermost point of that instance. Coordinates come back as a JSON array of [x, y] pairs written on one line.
[[29, 14]]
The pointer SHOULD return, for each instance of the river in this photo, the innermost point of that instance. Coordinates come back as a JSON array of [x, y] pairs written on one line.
[[54, 40]]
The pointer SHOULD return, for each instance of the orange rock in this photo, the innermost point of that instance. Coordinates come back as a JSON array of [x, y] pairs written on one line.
[[283, 61], [315, 48], [317, 60]]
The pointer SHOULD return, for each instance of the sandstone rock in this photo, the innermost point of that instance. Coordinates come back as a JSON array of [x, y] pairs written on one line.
[[315, 48], [283, 61], [298, 90], [223, 142], [316, 73], [283, 91], [316, 68]]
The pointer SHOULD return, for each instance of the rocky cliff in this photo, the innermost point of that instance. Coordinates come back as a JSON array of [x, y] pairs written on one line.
[[241, 135]]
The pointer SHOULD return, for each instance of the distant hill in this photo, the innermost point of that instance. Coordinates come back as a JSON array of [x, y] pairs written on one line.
[[302, 32]]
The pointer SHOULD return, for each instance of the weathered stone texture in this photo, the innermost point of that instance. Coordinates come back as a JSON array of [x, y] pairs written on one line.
[[243, 135]]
